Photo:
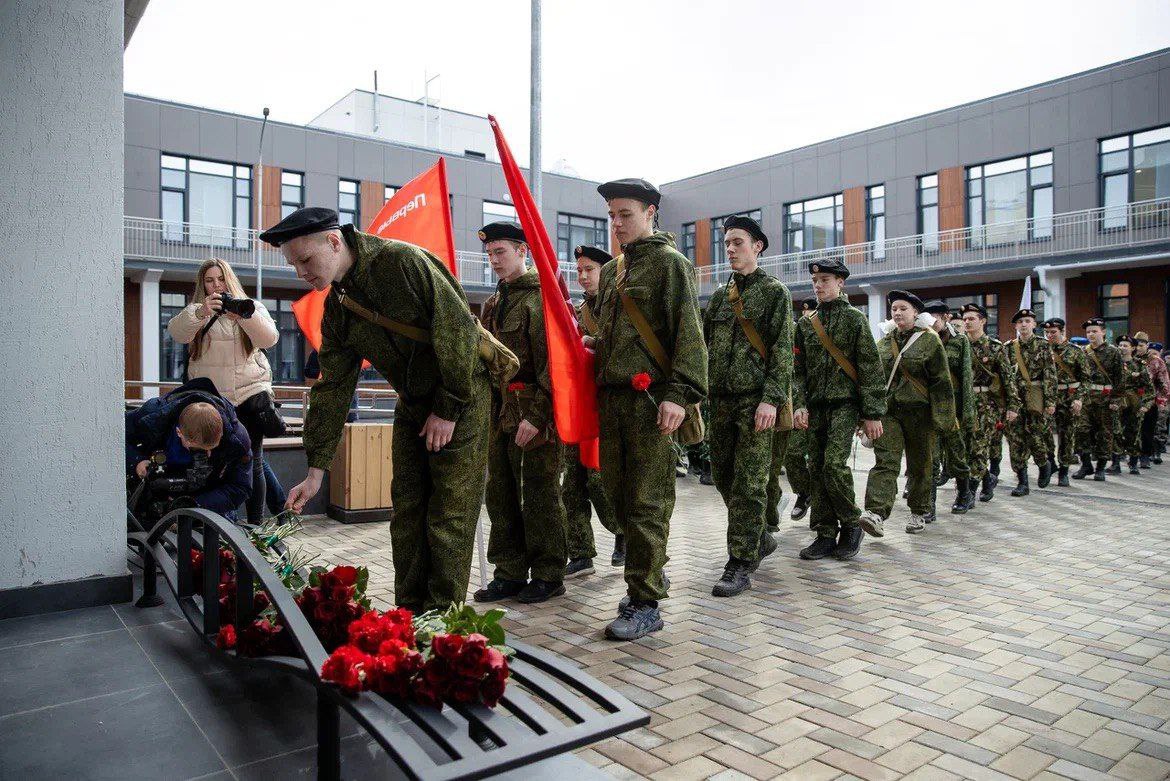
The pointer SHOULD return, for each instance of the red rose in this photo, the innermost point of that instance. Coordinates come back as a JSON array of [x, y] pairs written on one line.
[[640, 381], [259, 638], [437, 672], [226, 639], [399, 615], [491, 690], [1106, 391], [423, 693], [347, 667], [999, 425], [447, 646], [516, 387], [341, 593], [260, 600], [465, 691], [341, 575], [227, 559], [497, 663], [472, 661], [326, 612]]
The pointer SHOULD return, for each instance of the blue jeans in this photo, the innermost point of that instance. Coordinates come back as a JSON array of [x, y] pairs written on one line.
[[274, 495]]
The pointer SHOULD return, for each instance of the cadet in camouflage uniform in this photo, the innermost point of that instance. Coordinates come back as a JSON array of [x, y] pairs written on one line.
[[920, 404], [790, 457], [637, 453], [1099, 415], [748, 329], [444, 399], [1161, 385], [524, 452], [1137, 401], [997, 401], [953, 444], [831, 402], [580, 486], [1036, 383], [1072, 368]]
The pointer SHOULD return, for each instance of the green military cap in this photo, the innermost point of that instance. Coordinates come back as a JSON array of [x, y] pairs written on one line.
[[302, 222], [746, 224], [907, 296], [503, 230], [596, 254], [830, 266], [638, 189]]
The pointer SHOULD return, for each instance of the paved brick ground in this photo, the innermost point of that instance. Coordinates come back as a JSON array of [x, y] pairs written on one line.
[[1027, 639]]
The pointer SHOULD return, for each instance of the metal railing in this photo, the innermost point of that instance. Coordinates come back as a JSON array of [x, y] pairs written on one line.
[[1088, 230]]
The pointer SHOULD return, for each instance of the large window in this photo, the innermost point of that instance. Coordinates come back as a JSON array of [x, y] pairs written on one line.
[[875, 219], [172, 355], [1135, 168], [928, 212], [498, 212], [216, 198], [388, 192], [989, 301], [348, 207], [1002, 196], [688, 241], [1113, 308], [287, 358], [574, 231], [292, 192], [718, 251], [815, 224]]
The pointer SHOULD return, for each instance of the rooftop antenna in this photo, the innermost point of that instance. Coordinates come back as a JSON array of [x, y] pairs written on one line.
[[427, 107], [375, 102]]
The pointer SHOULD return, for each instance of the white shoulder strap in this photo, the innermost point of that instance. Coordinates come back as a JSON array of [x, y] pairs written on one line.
[[898, 360]]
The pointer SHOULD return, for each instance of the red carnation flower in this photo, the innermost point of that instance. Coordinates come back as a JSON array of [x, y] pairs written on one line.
[[341, 593], [342, 575], [999, 425], [1107, 391], [226, 639], [640, 381], [516, 387]]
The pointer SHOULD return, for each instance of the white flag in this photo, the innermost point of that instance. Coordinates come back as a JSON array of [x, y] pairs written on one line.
[[1026, 298]]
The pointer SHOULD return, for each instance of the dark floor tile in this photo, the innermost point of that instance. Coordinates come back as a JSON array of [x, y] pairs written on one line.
[[141, 616], [178, 651], [57, 626], [61, 671], [141, 734]]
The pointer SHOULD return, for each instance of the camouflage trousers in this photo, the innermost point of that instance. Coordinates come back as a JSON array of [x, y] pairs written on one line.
[[741, 463], [524, 506], [637, 471], [1064, 443], [986, 440], [1161, 434], [906, 430], [437, 497], [790, 456], [1028, 437], [1096, 429], [581, 494], [950, 453], [830, 442], [1131, 431]]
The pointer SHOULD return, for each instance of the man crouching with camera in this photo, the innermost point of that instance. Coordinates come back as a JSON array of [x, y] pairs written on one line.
[[190, 450]]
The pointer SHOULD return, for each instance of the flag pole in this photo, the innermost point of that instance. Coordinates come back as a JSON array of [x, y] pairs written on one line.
[[534, 155]]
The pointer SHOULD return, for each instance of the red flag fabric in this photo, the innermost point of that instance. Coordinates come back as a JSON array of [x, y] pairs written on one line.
[[419, 213], [570, 365]]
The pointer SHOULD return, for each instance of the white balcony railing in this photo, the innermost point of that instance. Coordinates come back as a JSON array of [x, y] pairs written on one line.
[[1069, 233]]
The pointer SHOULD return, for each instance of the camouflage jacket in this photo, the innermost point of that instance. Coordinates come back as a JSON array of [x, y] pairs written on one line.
[[958, 348], [515, 315], [408, 284], [1158, 374], [1036, 354], [1139, 386], [589, 322], [817, 379], [991, 369], [734, 366], [1109, 371], [1072, 368], [926, 363], [660, 281]]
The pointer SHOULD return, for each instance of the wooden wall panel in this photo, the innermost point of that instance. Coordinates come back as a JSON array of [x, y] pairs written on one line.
[[267, 207], [373, 196], [703, 242], [854, 207], [951, 212], [132, 329]]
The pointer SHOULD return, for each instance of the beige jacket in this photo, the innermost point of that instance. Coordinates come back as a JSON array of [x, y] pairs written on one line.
[[237, 375]]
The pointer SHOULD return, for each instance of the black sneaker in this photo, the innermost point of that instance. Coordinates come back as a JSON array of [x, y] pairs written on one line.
[[800, 509], [735, 580], [578, 567], [821, 548], [539, 591], [848, 543], [634, 622], [618, 559], [499, 589]]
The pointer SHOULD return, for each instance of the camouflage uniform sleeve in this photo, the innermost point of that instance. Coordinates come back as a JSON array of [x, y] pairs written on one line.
[[1008, 380], [938, 383], [540, 410], [1081, 373], [778, 374], [688, 372], [799, 368], [871, 378], [330, 396], [1049, 379], [965, 395], [713, 303], [1116, 370]]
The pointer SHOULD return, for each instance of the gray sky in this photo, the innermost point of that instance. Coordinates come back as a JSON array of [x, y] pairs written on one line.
[[650, 88]]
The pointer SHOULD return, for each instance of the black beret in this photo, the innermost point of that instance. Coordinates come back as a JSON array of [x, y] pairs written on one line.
[[747, 224], [1054, 322], [638, 189], [496, 231], [302, 222], [1023, 313], [978, 309], [1123, 338], [809, 304], [1097, 321], [830, 266], [937, 307], [908, 297], [596, 254]]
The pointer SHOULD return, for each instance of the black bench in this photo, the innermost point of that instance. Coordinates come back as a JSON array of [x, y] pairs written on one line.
[[549, 707]]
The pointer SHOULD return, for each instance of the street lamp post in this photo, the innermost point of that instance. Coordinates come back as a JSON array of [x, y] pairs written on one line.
[[260, 207]]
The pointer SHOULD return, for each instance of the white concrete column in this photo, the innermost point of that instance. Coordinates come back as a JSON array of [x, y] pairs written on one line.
[[149, 326], [877, 305], [1054, 282]]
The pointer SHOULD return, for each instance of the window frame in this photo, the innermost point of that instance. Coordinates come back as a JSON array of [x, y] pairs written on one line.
[[838, 199], [919, 206], [871, 216], [687, 239], [166, 311], [1127, 172], [600, 227], [300, 203], [239, 239], [1031, 188], [1102, 298], [357, 202]]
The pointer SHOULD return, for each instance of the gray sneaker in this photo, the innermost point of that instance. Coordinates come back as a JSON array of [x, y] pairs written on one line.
[[633, 622], [873, 524], [916, 524], [626, 599]]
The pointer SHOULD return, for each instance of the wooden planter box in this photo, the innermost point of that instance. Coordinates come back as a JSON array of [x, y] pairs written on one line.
[[359, 478]]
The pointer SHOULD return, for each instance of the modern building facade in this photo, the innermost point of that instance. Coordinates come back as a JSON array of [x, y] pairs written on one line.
[[1067, 182]]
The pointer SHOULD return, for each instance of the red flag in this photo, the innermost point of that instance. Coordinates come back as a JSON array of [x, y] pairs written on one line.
[[419, 213], [570, 365]]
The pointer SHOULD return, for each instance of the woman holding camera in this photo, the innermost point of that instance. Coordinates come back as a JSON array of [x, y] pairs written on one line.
[[226, 333]]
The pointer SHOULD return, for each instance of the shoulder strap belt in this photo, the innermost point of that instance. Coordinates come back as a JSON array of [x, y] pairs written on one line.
[[835, 351], [749, 330], [898, 364], [1093, 354], [1027, 375], [640, 323], [587, 319], [409, 331]]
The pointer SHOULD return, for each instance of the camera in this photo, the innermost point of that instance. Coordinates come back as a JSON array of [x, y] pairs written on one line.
[[241, 307]]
